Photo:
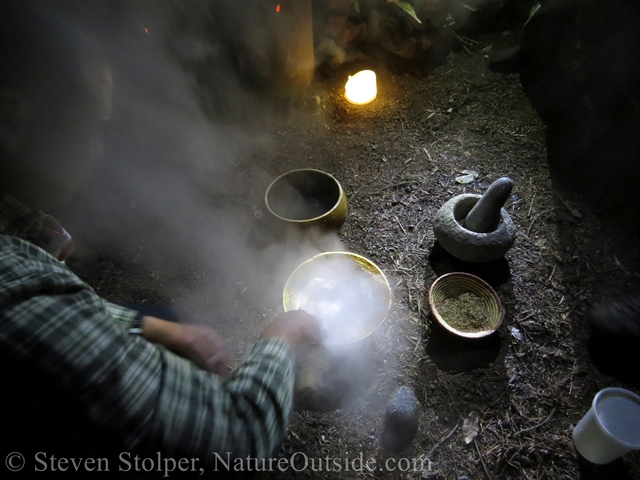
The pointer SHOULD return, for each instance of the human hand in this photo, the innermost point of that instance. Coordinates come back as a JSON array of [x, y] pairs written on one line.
[[296, 327], [199, 343]]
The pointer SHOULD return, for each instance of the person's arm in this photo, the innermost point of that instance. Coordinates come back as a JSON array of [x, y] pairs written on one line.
[[122, 316], [199, 343], [148, 396]]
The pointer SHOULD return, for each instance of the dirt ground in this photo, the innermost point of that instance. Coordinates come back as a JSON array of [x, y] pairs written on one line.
[[397, 160]]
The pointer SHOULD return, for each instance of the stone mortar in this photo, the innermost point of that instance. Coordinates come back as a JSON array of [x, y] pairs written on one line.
[[468, 245]]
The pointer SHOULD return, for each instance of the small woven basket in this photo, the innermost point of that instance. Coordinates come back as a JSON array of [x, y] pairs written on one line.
[[452, 285]]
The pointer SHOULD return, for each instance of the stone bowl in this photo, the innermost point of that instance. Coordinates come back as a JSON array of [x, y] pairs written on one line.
[[307, 198], [466, 244], [452, 285]]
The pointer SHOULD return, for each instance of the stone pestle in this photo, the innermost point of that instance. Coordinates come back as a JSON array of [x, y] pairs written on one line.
[[402, 415], [485, 215]]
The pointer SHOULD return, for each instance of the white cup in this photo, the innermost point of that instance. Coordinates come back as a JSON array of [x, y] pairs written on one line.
[[610, 428]]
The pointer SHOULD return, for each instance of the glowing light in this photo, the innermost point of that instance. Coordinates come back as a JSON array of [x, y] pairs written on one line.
[[361, 88], [146, 30], [278, 8]]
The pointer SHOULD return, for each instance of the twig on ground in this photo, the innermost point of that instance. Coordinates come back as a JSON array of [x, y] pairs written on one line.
[[466, 49], [533, 197], [447, 437], [356, 193], [400, 184], [463, 43], [552, 272], [484, 465], [534, 426], [537, 217], [420, 222]]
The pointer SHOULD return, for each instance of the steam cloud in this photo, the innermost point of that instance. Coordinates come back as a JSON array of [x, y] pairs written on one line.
[[179, 171], [179, 181]]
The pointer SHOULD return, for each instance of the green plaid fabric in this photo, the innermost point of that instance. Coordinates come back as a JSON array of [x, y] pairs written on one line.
[[58, 331]]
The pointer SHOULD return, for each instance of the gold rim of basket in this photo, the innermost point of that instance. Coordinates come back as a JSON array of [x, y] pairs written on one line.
[[306, 220], [365, 264]]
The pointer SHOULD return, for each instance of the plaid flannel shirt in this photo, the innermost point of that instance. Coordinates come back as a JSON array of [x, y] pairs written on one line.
[[55, 330]]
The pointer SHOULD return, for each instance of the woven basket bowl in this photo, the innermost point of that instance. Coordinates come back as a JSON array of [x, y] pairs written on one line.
[[452, 285]]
